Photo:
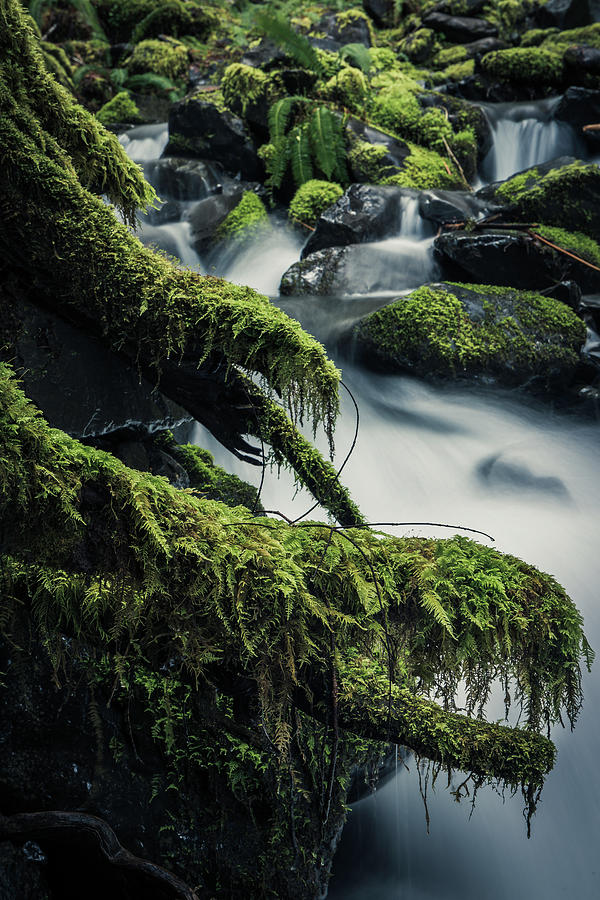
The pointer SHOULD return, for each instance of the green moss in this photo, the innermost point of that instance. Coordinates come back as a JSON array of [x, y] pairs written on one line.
[[169, 576], [243, 85], [133, 20], [396, 108], [536, 36], [524, 65], [573, 241], [312, 198], [449, 56], [245, 221], [588, 35], [436, 332], [366, 161], [382, 59], [169, 60], [566, 196], [351, 17], [120, 109], [456, 72], [425, 169], [419, 46], [348, 87], [207, 479], [94, 52]]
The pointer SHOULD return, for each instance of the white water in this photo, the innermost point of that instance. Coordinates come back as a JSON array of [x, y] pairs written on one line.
[[145, 143], [525, 135]]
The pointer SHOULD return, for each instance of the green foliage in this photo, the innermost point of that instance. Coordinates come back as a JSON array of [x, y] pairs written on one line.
[[357, 55], [85, 7], [245, 221], [294, 44], [243, 85], [120, 109], [315, 138], [169, 576], [312, 198]]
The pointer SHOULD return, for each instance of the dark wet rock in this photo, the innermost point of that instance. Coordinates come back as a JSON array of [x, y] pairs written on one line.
[[23, 871], [568, 292], [265, 55], [589, 308], [513, 259], [359, 269], [581, 62], [562, 14], [170, 211], [180, 179], [478, 48], [199, 129], [364, 213], [491, 334], [580, 106], [317, 274], [460, 29], [467, 7], [383, 12], [206, 215], [77, 383], [419, 45], [344, 29], [445, 207]]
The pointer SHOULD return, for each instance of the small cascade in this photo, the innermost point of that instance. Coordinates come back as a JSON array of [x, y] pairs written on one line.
[[174, 239], [412, 225], [524, 135], [261, 263], [145, 143]]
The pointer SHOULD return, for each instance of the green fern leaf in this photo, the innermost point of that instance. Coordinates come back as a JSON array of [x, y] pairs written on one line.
[[294, 44], [357, 55], [300, 154], [323, 139], [279, 116]]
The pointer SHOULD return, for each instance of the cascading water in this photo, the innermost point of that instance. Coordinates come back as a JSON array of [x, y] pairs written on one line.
[[484, 459], [524, 135]]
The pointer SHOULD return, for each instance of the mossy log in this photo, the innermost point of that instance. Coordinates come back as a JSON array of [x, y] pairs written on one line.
[[118, 559], [195, 335]]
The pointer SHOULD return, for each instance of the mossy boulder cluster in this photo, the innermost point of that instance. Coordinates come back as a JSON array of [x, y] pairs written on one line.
[[189, 684]]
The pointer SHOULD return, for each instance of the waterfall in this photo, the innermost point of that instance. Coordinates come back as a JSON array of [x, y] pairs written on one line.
[[524, 135], [145, 143]]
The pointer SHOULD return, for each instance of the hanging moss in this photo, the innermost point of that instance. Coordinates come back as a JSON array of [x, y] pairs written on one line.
[[122, 557], [313, 198]]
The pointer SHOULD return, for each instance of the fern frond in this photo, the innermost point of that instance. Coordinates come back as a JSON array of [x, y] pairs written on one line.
[[300, 154], [279, 116], [356, 55], [294, 44], [323, 139]]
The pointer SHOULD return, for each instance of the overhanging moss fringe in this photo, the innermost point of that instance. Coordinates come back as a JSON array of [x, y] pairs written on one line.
[[121, 559]]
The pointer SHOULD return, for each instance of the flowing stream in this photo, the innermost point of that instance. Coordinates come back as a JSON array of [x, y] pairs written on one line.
[[491, 460]]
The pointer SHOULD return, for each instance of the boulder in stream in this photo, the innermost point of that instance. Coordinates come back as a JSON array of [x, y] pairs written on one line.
[[518, 259], [493, 334], [198, 128], [460, 29], [364, 213], [563, 192]]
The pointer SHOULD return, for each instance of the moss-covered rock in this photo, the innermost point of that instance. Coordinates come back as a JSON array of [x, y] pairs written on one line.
[[496, 334], [122, 108], [524, 65], [424, 169], [313, 198], [419, 46], [135, 20], [566, 195], [348, 87], [168, 59], [249, 92], [245, 221]]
